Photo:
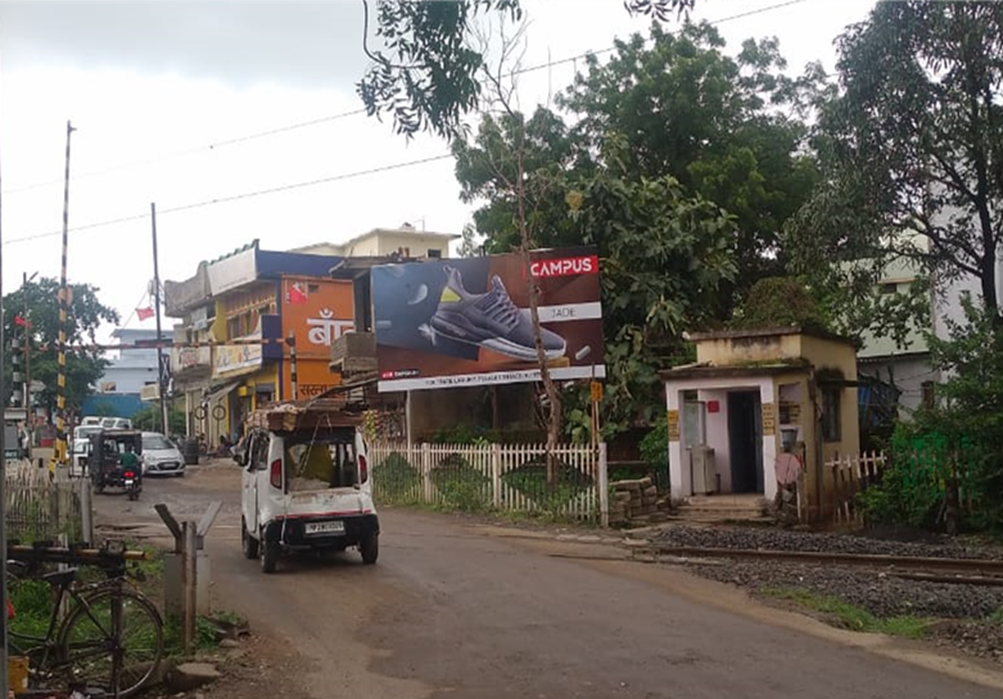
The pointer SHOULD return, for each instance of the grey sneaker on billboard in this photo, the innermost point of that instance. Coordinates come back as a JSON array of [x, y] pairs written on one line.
[[491, 320]]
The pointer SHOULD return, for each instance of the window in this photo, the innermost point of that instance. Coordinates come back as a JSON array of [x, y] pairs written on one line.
[[831, 427], [434, 253], [888, 288], [929, 394]]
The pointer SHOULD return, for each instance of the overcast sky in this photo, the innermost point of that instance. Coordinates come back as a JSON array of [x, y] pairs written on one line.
[[165, 94]]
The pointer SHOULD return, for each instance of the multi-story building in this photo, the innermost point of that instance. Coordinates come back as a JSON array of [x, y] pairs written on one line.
[[229, 356], [121, 387], [908, 370], [241, 306], [405, 241]]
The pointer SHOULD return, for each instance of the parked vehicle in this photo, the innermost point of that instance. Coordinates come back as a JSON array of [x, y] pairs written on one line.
[[78, 456], [161, 455], [109, 423], [108, 462], [305, 484]]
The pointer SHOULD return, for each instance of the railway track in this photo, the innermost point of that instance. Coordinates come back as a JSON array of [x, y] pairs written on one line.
[[972, 571]]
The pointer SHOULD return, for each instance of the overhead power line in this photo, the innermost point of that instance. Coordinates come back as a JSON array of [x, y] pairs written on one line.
[[236, 197], [354, 112]]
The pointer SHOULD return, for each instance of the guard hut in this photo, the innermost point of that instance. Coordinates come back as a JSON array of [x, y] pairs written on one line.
[[754, 398]]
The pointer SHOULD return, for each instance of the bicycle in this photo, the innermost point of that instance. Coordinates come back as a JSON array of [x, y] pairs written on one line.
[[111, 638]]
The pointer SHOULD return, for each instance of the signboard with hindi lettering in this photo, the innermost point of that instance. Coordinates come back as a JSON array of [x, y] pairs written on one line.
[[317, 312]]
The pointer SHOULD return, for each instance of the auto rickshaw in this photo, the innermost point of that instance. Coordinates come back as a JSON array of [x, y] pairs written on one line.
[[108, 450]]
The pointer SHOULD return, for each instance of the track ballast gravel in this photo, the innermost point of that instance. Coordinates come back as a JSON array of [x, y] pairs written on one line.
[[971, 615]]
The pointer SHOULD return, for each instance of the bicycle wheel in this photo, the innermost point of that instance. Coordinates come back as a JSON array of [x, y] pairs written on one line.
[[91, 648]]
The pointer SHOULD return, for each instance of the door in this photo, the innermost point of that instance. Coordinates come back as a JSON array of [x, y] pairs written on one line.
[[745, 439], [254, 467]]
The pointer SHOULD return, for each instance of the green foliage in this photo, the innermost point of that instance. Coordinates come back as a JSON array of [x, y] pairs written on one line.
[[396, 482], [727, 129], [207, 635], [655, 445], [531, 480], [148, 418], [426, 72], [32, 600], [958, 441], [86, 314], [911, 146], [849, 616], [461, 486], [776, 302], [681, 169]]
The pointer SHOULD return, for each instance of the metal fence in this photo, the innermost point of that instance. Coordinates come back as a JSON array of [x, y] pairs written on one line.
[[40, 508], [497, 477]]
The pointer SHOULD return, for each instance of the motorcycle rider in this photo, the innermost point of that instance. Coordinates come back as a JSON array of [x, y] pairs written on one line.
[[129, 461]]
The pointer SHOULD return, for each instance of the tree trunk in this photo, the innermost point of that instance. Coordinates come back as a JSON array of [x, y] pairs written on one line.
[[553, 396]]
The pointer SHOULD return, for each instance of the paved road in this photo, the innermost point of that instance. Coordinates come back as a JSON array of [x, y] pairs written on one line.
[[457, 609]]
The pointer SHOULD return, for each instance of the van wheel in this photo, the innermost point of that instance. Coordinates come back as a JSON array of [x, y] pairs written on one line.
[[269, 555], [248, 542], [369, 547]]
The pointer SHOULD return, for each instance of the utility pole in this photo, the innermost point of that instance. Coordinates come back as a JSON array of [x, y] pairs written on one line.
[[64, 303], [4, 684], [161, 387], [28, 427]]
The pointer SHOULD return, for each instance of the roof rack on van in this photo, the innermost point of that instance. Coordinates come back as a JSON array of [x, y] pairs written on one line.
[[299, 415]]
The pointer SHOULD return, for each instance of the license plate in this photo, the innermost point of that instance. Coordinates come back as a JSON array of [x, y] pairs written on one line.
[[325, 528], [128, 481]]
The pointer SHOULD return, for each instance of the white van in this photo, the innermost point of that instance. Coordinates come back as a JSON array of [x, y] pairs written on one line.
[[305, 488]]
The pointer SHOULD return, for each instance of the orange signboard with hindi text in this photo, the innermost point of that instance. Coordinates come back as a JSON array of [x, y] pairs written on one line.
[[317, 312]]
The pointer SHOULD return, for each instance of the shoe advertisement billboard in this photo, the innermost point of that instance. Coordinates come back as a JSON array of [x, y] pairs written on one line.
[[466, 321]]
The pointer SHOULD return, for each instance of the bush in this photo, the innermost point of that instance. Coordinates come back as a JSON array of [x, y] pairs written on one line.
[[461, 485], [395, 481], [531, 480], [655, 445]]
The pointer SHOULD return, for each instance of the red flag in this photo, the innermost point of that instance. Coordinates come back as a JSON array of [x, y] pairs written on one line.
[[144, 313], [18, 320], [296, 294]]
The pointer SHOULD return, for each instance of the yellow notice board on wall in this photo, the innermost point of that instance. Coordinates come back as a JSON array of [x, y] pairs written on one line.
[[769, 420], [673, 420]]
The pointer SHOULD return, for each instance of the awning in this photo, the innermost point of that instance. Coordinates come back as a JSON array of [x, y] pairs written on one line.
[[221, 390]]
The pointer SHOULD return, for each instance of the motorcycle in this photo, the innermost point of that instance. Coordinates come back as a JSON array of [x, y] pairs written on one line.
[[108, 448]]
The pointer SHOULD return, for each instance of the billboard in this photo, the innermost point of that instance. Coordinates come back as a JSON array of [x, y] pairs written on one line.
[[466, 322]]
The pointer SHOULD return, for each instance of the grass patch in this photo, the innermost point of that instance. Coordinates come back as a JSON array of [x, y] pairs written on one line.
[[996, 617], [850, 616], [207, 635]]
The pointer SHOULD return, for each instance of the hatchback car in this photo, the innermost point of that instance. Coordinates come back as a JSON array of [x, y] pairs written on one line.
[[161, 455]]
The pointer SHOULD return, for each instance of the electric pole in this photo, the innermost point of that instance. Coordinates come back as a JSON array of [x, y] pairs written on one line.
[[161, 377]]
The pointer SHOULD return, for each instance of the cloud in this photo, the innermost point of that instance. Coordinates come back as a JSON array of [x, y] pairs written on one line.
[[241, 43]]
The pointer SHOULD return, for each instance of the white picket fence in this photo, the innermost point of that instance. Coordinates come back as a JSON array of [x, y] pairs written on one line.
[[493, 476]]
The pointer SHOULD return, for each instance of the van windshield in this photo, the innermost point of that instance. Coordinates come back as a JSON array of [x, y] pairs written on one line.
[[327, 461]]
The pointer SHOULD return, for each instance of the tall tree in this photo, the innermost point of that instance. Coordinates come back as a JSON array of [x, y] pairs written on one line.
[[86, 314], [912, 149], [727, 128], [425, 66], [664, 253]]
